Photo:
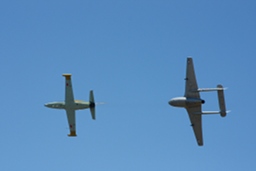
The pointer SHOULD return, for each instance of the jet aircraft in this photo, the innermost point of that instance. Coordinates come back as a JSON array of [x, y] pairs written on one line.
[[192, 102], [71, 105]]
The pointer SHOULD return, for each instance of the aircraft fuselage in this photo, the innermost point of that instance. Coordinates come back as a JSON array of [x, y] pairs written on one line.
[[186, 102], [78, 104]]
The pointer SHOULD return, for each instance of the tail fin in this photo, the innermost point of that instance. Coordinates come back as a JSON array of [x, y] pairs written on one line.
[[92, 105]]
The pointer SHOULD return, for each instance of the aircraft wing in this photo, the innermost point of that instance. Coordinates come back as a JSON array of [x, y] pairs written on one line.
[[71, 122], [191, 84], [69, 96], [196, 123]]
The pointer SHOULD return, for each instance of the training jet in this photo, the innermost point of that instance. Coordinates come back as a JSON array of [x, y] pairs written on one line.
[[71, 105], [193, 103]]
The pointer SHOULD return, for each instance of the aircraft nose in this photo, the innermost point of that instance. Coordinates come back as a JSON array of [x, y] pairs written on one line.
[[46, 105], [171, 102], [174, 102]]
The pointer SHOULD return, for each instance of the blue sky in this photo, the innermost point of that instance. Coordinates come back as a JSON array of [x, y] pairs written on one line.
[[133, 55]]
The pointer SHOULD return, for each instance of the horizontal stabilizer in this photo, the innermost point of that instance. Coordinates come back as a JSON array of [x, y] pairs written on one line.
[[92, 105], [93, 113], [221, 98]]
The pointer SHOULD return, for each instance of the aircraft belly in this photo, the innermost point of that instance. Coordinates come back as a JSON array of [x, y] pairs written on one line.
[[81, 106], [193, 102]]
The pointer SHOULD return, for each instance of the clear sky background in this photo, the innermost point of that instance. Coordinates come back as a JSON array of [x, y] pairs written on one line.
[[133, 55]]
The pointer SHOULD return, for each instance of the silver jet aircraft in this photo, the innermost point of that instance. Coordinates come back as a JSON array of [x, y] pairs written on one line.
[[71, 105], [193, 103]]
